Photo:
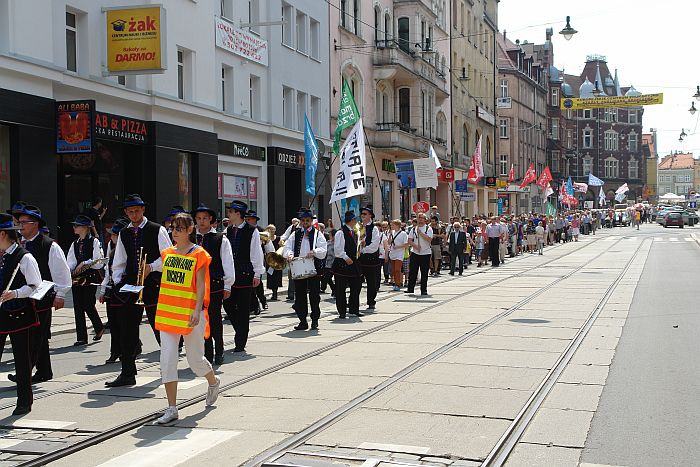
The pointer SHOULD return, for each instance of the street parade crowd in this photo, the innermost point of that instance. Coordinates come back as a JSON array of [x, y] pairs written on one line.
[[188, 269]]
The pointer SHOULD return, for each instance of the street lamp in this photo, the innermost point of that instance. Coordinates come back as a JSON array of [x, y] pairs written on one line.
[[697, 94], [568, 32], [692, 108]]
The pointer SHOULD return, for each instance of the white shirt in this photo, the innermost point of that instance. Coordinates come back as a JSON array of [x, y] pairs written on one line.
[[396, 240], [539, 231], [288, 232], [493, 230], [373, 247], [257, 258], [319, 240], [423, 247], [119, 263], [339, 245], [60, 273], [30, 270], [226, 260], [105, 281], [96, 254]]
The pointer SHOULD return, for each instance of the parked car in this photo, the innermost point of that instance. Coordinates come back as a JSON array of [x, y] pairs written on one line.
[[690, 217], [673, 218]]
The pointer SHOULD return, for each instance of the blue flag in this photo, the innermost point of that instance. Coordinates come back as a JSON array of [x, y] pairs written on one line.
[[570, 187], [310, 157], [594, 181]]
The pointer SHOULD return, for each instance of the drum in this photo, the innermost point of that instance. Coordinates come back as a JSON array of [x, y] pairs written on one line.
[[302, 268]]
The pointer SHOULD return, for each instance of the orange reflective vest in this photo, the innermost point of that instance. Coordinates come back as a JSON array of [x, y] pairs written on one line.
[[178, 290]]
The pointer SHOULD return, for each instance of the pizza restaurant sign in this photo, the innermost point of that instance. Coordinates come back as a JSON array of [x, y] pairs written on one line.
[[123, 129], [240, 42]]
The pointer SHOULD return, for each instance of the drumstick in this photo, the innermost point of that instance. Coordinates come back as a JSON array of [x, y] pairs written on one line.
[[9, 284]]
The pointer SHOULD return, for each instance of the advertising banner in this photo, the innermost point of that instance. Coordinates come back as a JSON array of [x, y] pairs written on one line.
[[405, 174], [602, 102], [74, 126], [135, 40], [122, 129], [240, 42]]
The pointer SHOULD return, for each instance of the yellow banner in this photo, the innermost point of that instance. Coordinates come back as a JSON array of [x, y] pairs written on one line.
[[134, 37], [602, 102]]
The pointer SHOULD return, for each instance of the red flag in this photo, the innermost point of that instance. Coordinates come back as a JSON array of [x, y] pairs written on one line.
[[476, 168], [511, 174], [545, 178], [530, 176]]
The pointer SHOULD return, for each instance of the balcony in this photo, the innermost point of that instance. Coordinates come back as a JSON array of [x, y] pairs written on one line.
[[403, 64], [405, 142]]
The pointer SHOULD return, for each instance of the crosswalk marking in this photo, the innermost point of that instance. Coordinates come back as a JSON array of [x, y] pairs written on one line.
[[673, 239], [689, 239], [658, 239]]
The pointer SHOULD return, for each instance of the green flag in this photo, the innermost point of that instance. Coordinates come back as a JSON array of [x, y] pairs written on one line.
[[347, 115], [551, 210]]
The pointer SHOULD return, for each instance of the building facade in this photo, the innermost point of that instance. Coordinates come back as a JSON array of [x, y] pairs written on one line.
[[474, 27], [211, 127], [676, 174]]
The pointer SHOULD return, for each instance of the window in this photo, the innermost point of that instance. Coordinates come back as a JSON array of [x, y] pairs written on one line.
[[587, 138], [503, 128], [424, 110], [254, 16], [301, 110], [587, 113], [356, 17], [504, 88], [503, 164], [569, 114], [226, 9], [288, 25], [71, 42], [254, 97], [377, 25], [343, 13], [287, 107], [405, 108], [632, 116], [569, 138], [454, 14], [555, 129], [632, 142], [388, 29], [121, 79], [611, 167], [633, 169], [315, 117], [301, 32], [465, 141], [611, 140], [555, 97], [611, 115], [315, 39], [180, 74], [386, 115], [489, 159], [441, 127], [223, 88], [555, 161], [404, 32], [587, 165]]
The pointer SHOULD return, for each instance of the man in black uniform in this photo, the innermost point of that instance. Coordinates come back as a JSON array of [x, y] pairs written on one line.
[[258, 298], [249, 266], [150, 238], [346, 269], [221, 278], [369, 255]]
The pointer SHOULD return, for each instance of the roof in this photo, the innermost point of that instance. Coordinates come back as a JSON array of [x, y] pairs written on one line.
[[677, 161]]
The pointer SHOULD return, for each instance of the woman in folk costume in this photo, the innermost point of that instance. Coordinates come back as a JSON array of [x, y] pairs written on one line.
[[182, 312]]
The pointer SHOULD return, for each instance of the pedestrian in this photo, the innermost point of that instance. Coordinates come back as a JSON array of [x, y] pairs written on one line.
[[575, 226], [457, 245], [397, 243], [530, 236], [327, 280], [436, 246], [85, 260], [637, 218], [368, 260], [481, 242], [181, 312], [274, 276], [540, 235], [287, 233], [493, 232], [383, 248], [259, 299], [419, 240], [346, 270]]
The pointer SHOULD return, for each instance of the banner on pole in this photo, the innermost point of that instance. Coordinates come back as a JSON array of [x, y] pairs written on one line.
[[576, 103], [347, 115], [426, 175], [310, 157], [351, 180]]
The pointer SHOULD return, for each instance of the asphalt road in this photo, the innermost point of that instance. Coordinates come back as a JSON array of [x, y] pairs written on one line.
[[649, 413]]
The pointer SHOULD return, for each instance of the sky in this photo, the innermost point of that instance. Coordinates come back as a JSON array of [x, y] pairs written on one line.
[[652, 44]]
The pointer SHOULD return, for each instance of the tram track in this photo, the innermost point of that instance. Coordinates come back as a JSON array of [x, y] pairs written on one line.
[[336, 415]]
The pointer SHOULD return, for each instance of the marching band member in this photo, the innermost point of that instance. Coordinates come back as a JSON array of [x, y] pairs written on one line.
[[108, 294], [19, 277], [274, 276], [248, 263], [181, 312], [221, 278], [258, 292], [307, 242], [168, 221], [82, 255], [53, 267], [347, 273], [369, 255], [151, 238], [287, 233]]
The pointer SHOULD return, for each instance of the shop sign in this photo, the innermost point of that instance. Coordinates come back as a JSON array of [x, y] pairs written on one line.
[[461, 186], [504, 103], [469, 197], [245, 151], [74, 131], [500, 183], [388, 166], [514, 188], [135, 40], [287, 158], [240, 42], [122, 129], [489, 181], [484, 115], [446, 175], [420, 207]]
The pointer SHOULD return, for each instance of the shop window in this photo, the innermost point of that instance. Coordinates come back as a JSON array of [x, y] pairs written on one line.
[[235, 187], [184, 180], [5, 166]]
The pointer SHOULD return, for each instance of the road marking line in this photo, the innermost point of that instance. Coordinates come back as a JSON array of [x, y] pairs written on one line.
[[174, 448], [394, 448], [689, 239], [673, 239], [46, 424]]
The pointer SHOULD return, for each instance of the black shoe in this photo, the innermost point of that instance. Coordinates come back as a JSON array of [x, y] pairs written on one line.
[[371, 307], [451, 273], [79, 343], [99, 335], [460, 273], [356, 313], [343, 316], [22, 410], [12, 377], [219, 360], [41, 378], [112, 359], [314, 324], [121, 381], [237, 350], [302, 326], [256, 312], [424, 294]]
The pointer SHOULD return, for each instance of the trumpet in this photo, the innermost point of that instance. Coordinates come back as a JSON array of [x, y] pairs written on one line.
[[360, 234], [141, 275], [80, 277]]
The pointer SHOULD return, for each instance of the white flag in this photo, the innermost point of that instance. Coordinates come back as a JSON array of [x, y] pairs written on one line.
[[601, 196], [623, 189], [434, 156], [351, 180], [549, 191]]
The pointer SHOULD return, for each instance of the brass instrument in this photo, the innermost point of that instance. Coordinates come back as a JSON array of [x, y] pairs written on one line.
[[275, 260], [264, 237], [141, 274], [80, 277], [360, 234]]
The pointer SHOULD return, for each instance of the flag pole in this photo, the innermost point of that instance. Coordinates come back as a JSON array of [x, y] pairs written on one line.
[[376, 172]]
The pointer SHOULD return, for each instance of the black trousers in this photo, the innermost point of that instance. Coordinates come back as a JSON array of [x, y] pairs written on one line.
[[312, 286], [290, 285], [258, 299], [373, 279], [456, 256], [115, 327], [416, 262], [129, 319], [41, 359], [494, 245], [341, 301], [84, 304], [22, 352], [237, 308], [215, 343], [327, 280]]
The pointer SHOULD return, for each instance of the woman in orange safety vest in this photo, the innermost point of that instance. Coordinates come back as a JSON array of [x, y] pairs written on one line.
[[182, 312]]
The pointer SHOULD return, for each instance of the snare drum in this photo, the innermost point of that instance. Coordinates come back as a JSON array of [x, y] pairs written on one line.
[[302, 268]]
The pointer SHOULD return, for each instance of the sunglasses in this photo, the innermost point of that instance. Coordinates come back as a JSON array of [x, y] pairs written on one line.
[[180, 229]]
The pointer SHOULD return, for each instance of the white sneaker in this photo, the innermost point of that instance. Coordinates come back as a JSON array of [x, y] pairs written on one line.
[[213, 393], [170, 415]]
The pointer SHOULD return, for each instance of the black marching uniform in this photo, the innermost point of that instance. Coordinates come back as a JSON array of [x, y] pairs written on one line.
[[274, 280], [347, 274], [370, 264], [214, 345], [114, 308], [84, 295]]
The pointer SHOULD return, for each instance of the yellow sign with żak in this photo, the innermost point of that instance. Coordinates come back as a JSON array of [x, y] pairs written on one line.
[[575, 103], [134, 40]]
